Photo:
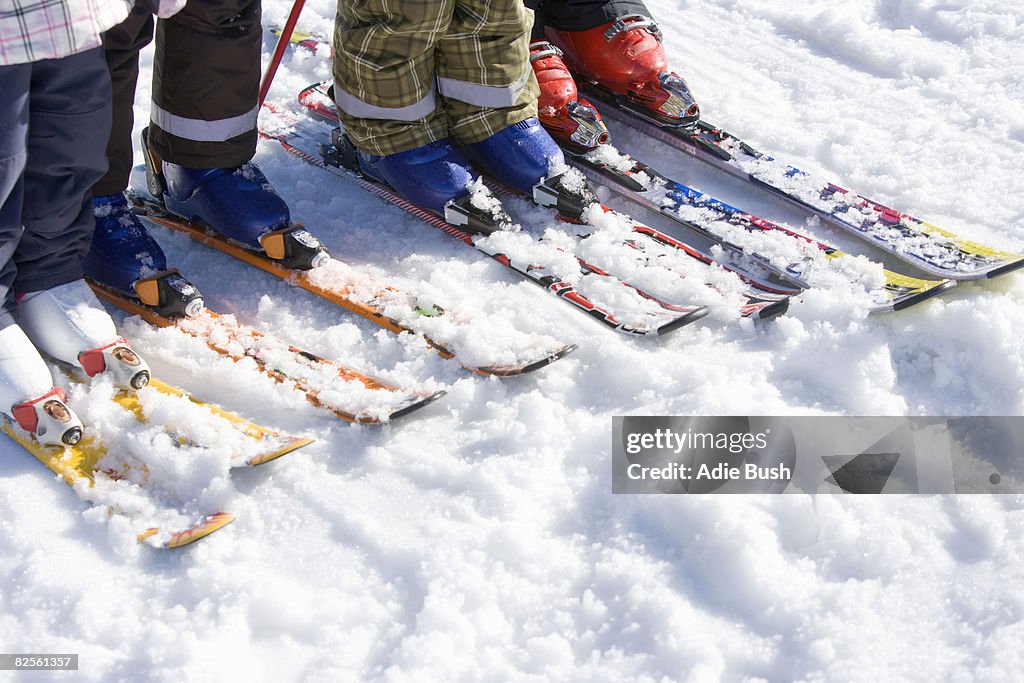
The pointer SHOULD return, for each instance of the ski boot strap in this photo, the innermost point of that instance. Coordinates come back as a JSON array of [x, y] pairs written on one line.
[[50, 419], [630, 22], [295, 247], [118, 360], [170, 294], [155, 182]]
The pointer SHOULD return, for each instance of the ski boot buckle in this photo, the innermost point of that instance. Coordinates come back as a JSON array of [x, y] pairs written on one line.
[[170, 295], [118, 359], [49, 419], [632, 21], [295, 247]]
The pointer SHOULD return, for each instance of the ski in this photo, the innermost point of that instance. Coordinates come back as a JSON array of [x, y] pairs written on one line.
[[342, 391], [82, 464], [131, 443], [125, 478], [572, 206], [311, 140], [743, 236], [932, 249], [246, 443], [335, 282]]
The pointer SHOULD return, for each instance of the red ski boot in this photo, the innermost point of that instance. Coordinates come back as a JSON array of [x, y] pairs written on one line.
[[569, 119], [626, 59]]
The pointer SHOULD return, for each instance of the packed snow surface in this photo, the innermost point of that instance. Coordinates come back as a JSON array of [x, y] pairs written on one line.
[[478, 539]]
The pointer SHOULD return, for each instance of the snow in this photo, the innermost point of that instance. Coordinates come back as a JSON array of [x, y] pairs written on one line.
[[477, 540]]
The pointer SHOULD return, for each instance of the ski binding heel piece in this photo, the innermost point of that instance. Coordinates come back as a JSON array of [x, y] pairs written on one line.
[[464, 214], [295, 247], [170, 295], [569, 200], [341, 152], [590, 129], [117, 359], [680, 107], [49, 419]]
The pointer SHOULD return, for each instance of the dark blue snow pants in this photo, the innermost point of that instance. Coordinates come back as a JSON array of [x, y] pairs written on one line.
[[54, 125]]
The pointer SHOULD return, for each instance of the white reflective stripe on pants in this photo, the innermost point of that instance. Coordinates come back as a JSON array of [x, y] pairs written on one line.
[[353, 106], [488, 96], [198, 130]]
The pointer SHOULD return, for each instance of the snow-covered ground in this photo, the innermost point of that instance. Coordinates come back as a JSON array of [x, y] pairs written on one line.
[[478, 539]]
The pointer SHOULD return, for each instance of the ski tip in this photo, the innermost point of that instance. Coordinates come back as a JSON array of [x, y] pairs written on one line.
[[682, 321], [899, 303], [503, 371], [292, 444], [767, 310], [1006, 268], [415, 405], [202, 529]]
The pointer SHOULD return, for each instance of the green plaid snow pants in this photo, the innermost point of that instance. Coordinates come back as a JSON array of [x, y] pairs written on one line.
[[410, 72]]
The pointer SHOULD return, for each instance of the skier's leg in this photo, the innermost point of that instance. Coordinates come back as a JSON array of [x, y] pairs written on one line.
[[23, 375], [121, 46], [206, 74], [583, 15], [484, 70], [69, 125], [26, 387], [569, 118], [384, 73], [490, 92], [122, 252], [386, 90], [202, 132], [69, 120], [14, 83], [617, 44]]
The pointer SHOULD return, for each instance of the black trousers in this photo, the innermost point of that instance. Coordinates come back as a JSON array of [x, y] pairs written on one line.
[[580, 15], [54, 119], [206, 75]]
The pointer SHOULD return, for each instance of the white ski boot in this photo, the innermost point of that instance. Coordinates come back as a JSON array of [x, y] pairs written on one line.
[[27, 393], [69, 324]]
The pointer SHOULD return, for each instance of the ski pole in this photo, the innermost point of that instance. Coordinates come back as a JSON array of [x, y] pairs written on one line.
[[282, 45]]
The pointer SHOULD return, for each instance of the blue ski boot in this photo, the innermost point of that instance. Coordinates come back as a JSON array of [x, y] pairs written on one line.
[[237, 203], [526, 158], [125, 258], [520, 156], [429, 176], [435, 177]]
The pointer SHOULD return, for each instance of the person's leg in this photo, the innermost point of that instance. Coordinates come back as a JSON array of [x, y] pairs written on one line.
[[121, 46], [69, 122], [385, 87], [583, 15], [490, 92], [206, 79], [70, 110], [202, 133], [26, 387], [14, 83], [385, 73], [483, 69], [122, 252], [617, 44]]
